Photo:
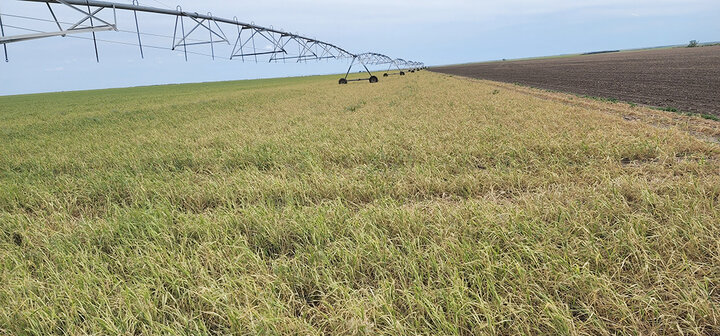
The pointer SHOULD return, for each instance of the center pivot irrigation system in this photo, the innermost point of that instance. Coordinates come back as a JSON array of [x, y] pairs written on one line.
[[241, 41], [380, 59]]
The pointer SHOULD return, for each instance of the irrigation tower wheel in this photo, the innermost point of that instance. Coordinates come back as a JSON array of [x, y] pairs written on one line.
[[373, 79], [342, 81]]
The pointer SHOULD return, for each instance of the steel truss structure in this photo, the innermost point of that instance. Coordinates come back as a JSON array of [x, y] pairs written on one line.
[[368, 59], [192, 29]]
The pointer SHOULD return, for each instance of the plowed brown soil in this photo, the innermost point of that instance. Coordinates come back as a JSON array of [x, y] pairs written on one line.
[[687, 79]]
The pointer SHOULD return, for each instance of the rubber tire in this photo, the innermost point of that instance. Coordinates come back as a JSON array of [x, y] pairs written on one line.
[[402, 73], [342, 81], [386, 75], [373, 79]]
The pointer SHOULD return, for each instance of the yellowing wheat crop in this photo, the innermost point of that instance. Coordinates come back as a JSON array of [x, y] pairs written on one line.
[[424, 204]]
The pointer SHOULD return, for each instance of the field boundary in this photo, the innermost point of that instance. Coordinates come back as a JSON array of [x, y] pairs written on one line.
[[703, 129]]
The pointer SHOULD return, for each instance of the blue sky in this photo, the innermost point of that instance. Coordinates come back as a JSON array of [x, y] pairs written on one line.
[[435, 32]]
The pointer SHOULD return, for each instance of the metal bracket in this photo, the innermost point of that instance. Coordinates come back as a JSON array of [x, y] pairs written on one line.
[[74, 29], [201, 23], [241, 46], [26, 37]]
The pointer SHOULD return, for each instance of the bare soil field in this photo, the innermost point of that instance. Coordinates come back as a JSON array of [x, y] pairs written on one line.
[[686, 79]]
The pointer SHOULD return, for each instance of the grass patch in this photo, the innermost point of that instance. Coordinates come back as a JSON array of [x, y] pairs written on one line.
[[668, 109], [263, 207], [602, 99], [710, 117], [355, 107], [691, 114]]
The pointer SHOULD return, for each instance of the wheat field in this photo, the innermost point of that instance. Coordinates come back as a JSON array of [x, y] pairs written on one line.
[[421, 205]]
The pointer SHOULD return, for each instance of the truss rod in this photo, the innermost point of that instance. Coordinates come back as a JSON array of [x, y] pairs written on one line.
[[2, 35], [118, 42], [179, 12], [85, 26], [137, 28], [26, 37]]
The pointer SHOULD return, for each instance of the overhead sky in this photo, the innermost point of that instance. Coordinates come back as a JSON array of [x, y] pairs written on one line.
[[432, 31]]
